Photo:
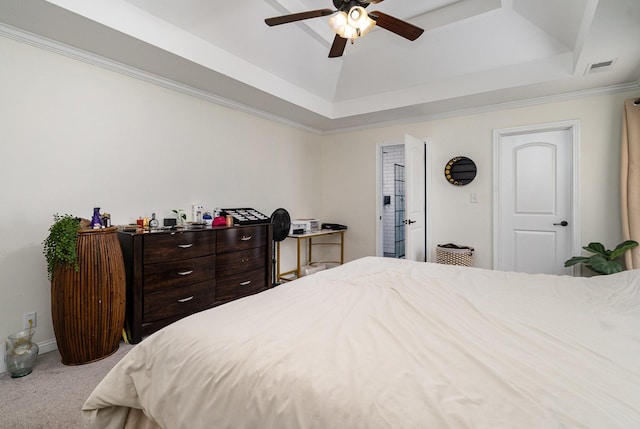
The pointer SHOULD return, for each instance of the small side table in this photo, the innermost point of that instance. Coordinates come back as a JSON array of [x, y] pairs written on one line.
[[295, 273]]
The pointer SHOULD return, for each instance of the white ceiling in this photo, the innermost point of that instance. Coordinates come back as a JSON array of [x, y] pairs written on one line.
[[473, 53]]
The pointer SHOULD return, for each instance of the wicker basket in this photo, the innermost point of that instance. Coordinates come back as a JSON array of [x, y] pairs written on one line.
[[88, 305], [452, 254]]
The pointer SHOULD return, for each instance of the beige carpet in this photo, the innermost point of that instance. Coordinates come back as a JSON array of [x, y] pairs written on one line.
[[52, 395]]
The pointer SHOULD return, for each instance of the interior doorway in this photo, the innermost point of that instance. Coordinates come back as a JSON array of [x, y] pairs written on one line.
[[536, 222], [402, 192], [393, 208]]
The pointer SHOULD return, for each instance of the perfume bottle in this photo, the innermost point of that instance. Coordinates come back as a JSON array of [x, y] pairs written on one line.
[[153, 223], [106, 220], [96, 221]]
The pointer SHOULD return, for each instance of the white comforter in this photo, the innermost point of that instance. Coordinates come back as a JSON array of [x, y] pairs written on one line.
[[386, 343]]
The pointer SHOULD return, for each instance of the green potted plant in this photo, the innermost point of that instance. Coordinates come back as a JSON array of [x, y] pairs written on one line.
[[603, 261], [60, 246], [181, 216]]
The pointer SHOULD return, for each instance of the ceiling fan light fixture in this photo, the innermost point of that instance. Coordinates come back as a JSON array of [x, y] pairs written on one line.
[[352, 25], [357, 17], [350, 20], [338, 21]]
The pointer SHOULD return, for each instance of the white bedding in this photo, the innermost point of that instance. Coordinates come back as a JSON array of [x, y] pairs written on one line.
[[387, 343]]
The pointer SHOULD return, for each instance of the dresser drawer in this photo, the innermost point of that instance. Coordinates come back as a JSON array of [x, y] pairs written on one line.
[[239, 262], [239, 285], [165, 275], [178, 301], [179, 245], [172, 274], [230, 240]]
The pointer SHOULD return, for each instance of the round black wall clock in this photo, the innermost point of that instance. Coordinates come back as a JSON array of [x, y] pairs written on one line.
[[460, 171]]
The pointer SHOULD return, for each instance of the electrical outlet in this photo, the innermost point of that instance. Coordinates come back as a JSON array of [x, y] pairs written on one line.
[[33, 317]]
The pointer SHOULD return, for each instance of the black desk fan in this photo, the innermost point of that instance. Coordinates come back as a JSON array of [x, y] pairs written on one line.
[[281, 223]]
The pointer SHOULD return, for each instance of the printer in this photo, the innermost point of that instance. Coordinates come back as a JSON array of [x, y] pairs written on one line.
[[304, 226]]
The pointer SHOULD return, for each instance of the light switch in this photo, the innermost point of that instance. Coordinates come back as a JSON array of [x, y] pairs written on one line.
[[474, 197]]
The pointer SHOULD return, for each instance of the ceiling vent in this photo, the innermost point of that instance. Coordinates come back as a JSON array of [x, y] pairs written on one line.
[[600, 67]]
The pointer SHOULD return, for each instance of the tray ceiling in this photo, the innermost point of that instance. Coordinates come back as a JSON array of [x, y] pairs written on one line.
[[473, 53]]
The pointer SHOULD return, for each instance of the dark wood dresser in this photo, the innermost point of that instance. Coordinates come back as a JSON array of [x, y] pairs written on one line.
[[172, 274]]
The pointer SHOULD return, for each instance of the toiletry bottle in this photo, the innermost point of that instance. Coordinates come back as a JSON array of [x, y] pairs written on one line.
[[153, 223], [96, 222], [106, 220]]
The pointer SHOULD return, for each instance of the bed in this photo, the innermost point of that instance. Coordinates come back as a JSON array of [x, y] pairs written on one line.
[[388, 343]]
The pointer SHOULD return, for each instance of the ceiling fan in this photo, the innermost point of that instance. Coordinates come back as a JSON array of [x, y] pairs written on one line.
[[350, 21]]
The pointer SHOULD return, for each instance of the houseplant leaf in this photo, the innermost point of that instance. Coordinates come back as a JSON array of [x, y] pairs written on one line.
[[602, 265], [623, 247], [597, 248], [576, 260]]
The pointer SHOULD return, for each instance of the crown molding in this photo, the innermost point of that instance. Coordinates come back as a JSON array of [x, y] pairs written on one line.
[[605, 90], [51, 45]]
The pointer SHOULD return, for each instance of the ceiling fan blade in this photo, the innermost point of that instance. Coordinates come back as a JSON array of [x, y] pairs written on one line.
[[285, 19], [337, 48], [395, 25]]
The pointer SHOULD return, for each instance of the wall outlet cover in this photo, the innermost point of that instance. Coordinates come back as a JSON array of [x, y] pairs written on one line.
[[33, 316]]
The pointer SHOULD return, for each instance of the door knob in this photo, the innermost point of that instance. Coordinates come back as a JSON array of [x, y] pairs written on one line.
[[563, 223], [409, 221]]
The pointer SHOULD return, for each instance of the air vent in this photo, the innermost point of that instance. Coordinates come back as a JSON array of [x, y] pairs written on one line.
[[600, 67]]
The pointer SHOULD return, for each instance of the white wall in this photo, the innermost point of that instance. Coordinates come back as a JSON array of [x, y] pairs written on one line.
[[349, 173], [74, 137]]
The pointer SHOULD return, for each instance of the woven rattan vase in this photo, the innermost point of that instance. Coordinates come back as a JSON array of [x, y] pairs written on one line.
[[88, 306]]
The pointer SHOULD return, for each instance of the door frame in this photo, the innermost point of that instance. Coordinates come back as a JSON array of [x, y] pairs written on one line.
[[427, 197], [574, 127]]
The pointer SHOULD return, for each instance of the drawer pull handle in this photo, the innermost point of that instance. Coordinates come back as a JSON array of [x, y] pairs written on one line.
[[185, 273], [245, 283], [185, 246], [186, 299], [246, 237]]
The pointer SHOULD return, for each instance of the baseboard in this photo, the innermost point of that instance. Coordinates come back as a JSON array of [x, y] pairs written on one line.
[[44, 347], [48, 346]]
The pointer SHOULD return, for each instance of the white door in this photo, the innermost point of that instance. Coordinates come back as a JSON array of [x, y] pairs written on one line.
[[415, 199], [534, 220]]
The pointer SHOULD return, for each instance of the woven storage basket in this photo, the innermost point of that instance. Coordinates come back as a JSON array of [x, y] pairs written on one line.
[[88, 305], [452, 254]]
